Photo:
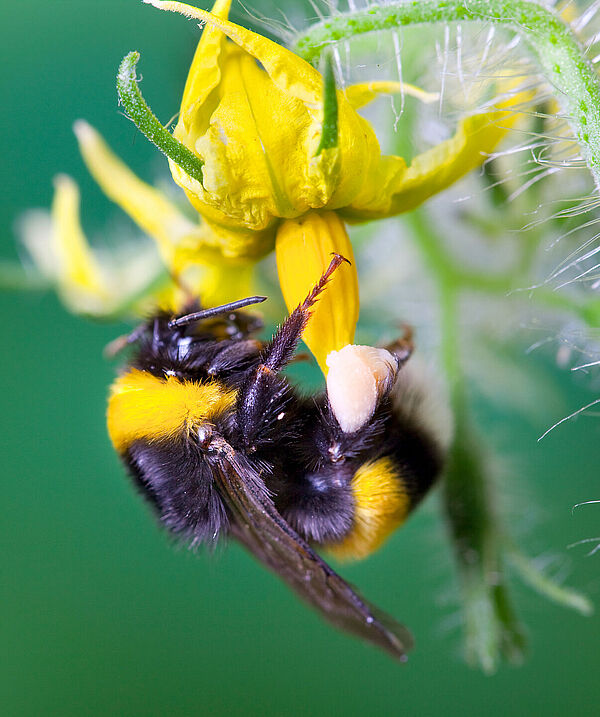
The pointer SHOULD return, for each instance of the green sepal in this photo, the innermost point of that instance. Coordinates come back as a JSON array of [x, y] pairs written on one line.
[[329, 136], [143, 118]]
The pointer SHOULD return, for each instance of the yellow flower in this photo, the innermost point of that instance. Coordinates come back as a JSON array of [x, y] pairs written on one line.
[[286, 160], [268, 177]]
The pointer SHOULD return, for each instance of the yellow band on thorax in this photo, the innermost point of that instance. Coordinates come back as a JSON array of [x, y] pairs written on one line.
[[143, 406], [381, 504]]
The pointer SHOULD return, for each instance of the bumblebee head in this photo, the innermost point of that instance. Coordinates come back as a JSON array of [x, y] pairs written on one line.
[[185, 345]]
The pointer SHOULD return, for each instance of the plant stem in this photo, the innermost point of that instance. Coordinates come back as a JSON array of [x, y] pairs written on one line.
[[491, 627], [558, 52]]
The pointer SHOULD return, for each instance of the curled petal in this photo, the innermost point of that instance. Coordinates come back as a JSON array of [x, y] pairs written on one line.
[[132, 279], [98, 283], [394, 188], [361, 94], [303, 249]]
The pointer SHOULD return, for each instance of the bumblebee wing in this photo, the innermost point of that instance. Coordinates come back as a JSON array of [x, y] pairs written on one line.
[[256, 523]]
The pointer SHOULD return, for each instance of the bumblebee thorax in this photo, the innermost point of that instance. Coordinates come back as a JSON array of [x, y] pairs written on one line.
[[143, 406]]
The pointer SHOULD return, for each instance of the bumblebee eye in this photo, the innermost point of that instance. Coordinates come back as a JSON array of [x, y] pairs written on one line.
[[358, 377], [183, 347]]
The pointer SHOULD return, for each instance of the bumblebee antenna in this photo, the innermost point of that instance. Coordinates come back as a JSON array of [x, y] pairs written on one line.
[[216, 311]]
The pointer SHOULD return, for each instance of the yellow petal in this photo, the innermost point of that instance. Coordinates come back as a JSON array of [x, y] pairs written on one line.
[[289, 72], [361, 94], [259, 149], [256, 171], [258, 134], [77, 271], [396, 189], [303, 249], [99, 283], [204, 75], [192, 252], [148, 207]]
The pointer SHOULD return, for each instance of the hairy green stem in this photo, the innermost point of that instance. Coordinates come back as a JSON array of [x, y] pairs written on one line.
[[143, 118], [560, 55], [491, 626], [480, 544], [509, 284]]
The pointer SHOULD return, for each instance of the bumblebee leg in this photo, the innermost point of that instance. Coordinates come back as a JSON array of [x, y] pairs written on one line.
[[403, 346], [283, 344], [264, 396]]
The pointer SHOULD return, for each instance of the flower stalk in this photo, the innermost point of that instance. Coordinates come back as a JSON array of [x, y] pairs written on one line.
[[481, 544], [490, 623]]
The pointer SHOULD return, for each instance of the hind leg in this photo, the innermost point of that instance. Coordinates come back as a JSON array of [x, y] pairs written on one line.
[[263, 398]]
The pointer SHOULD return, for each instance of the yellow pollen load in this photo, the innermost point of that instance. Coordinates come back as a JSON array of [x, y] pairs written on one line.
[[381, 504], [143, 406]]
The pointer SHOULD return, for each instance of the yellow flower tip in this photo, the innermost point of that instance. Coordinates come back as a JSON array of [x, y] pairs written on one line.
[[77, 272], [303, 249], [153, 212], [64, 184], [362, 94], [187, 10], [84, 132], [93, 148]]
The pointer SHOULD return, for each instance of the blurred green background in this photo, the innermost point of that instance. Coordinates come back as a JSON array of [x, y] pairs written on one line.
[[100, 613]]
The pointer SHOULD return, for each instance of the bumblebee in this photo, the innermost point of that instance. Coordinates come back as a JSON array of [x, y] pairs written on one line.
[[221, 444]]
